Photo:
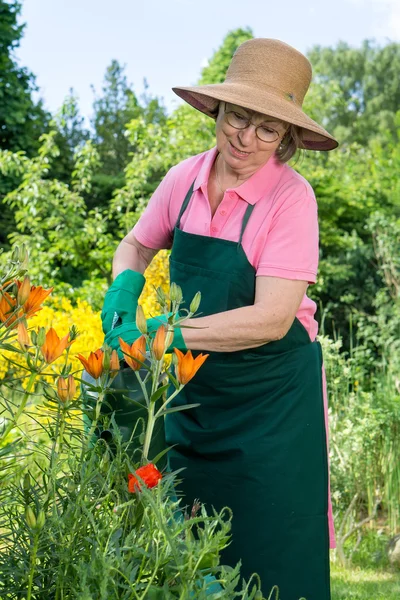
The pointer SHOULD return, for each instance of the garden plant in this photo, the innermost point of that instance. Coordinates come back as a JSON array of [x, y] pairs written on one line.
[[84, 516]]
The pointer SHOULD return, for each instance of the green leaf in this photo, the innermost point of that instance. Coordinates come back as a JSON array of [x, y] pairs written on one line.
[[158, 393], [168, 411]]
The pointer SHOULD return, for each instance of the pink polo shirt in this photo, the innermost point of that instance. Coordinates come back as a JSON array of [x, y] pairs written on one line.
[[281, 237]]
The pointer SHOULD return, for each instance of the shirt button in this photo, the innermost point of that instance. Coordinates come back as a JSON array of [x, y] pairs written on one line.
[[214, 229], [232, 195], [223, 212]]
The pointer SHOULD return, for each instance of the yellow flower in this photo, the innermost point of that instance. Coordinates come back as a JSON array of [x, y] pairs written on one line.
[[188, 366]]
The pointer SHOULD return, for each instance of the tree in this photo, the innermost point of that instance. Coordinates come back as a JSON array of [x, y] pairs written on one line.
[[71, 135], [22, 121], [356, 91], [112, 112]]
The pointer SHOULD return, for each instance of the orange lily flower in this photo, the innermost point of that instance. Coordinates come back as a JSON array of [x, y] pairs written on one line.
[[188, 366], [94, 364], [53, 346], [135, 353], [150, 475], [66, 388], [36, 297], [23, 336], [159, 343], [7, 308]]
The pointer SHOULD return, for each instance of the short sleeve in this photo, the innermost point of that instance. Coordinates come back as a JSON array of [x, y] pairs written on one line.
[[291, 248], [154, 229]]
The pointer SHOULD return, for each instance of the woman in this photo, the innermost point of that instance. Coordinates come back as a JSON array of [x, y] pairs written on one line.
[[243, 230]]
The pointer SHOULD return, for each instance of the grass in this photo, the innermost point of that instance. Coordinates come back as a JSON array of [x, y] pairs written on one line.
[[364, 584]]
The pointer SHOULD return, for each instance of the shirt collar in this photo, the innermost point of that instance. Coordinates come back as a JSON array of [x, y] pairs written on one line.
[[251, 190]]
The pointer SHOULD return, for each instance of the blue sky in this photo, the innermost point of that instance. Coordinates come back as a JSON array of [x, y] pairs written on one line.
[[69, 43]]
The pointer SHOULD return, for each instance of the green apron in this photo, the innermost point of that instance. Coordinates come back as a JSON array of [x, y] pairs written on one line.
[[257, 442]]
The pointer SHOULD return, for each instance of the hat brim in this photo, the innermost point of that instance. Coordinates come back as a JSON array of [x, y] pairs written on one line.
[[206, 98]]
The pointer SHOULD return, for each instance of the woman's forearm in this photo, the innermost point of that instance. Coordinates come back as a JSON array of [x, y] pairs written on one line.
[[132, 255], [238, 329]]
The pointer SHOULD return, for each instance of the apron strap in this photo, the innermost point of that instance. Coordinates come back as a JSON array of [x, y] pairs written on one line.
[[187, 199], [185, 204], [246, 218]]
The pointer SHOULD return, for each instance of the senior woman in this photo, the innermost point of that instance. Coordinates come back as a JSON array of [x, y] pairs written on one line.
[[243, 229]]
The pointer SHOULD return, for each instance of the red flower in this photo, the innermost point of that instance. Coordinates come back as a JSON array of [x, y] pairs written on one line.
[[149, 474]]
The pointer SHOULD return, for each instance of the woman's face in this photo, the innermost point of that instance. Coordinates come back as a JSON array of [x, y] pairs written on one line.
[[242, 149]]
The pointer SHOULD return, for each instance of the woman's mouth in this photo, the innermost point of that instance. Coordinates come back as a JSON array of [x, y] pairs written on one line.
[[236, 152]]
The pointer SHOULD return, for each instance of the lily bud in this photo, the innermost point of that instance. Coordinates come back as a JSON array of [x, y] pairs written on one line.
[[114, 363], [66, 388], [141, 322], [41, 519], [41, 337], [161, 297], [30, 517], [195, 303], [24, 291], [174, 292], [23, 337], [159, 343], [34, 338], [169, 338], [15, 254], [106, 359]]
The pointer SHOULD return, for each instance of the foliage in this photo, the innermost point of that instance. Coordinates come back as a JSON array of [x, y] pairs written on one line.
[[66, 242], [69, 524], [112, 112], [359, 89]]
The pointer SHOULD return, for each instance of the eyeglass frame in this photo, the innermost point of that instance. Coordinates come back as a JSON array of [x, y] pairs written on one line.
[[250, 122]]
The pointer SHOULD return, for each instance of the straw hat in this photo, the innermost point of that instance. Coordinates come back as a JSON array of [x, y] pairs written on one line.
[[268, 77]]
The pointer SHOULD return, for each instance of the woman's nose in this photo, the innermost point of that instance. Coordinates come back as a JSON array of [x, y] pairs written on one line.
[[246, 136]]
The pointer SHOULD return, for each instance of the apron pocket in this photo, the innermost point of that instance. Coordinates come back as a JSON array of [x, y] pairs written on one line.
[[200, 281]]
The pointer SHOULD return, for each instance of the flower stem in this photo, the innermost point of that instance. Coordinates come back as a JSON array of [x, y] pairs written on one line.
[[92, 429], [171, 397], [21, 408], [32, 567]]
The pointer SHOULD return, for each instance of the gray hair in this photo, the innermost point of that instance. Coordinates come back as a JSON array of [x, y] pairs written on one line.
[[290, 144]]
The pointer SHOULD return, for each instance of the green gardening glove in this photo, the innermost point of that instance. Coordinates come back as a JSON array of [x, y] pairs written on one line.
[[121, 299], [130, 333]]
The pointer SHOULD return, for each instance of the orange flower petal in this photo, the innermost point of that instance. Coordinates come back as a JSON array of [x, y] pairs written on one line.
[[93, 364], [135, 353], [187, 365], [53, 346]]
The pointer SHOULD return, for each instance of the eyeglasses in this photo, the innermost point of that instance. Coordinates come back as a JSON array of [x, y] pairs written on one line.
[[239, 121]]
